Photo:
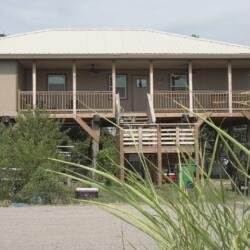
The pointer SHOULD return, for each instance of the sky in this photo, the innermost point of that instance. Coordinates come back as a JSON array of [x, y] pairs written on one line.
[[223, 20]]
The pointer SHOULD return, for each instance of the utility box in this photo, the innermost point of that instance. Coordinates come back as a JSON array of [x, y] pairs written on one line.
[[83, 193], [186, 175]]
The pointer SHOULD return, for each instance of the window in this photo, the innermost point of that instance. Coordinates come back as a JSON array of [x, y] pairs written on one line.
[[141, 82], [56, 82], [121, 85], [178, 82]]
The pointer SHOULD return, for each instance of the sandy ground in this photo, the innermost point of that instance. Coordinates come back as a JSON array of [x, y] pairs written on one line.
[[66, 227]]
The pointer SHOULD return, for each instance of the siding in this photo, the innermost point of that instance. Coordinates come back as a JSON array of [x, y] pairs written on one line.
[[8, 88]]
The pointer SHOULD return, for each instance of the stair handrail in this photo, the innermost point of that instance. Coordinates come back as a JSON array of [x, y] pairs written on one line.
[[150, 108], [117, 108]]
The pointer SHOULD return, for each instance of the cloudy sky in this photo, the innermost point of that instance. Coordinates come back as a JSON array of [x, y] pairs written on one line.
[[225, 20]]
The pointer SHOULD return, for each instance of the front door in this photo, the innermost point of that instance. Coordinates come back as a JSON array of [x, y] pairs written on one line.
[[140, 90]]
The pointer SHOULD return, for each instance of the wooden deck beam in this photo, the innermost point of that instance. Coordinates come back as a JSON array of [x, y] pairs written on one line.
[[246, 114], [95, 134]]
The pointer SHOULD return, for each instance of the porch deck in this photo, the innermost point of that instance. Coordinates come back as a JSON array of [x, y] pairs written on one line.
[[164, 102], [203, 101], [62, 101]]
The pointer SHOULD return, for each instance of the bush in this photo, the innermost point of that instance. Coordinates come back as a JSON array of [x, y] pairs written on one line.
[[26, 147], [44, 188]]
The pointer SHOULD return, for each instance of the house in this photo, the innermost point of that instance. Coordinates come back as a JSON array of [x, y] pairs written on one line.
[[148, 82]]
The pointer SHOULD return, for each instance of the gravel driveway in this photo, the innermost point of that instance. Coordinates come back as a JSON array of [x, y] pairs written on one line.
[[65, 227]]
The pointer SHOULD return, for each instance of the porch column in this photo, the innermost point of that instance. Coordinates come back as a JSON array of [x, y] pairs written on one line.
[[190, 81], [230, 96], [113, 84], [34, 85], [74, 86], [151, 78]]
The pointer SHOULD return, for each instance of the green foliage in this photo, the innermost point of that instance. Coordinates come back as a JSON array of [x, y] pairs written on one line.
[[44, 188], [25, 147], [107, 160], [107, 157]]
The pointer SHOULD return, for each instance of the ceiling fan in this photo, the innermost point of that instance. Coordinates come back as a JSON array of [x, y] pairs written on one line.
[[93, 69]]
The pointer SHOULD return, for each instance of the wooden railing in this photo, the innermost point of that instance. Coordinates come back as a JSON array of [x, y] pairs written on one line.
[[161, 135], [203, 101], [170, 101], [216, 101], [62, 101], [241, 100], [99, 101]]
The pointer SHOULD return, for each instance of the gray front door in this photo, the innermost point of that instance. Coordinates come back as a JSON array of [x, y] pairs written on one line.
[[140, 90]]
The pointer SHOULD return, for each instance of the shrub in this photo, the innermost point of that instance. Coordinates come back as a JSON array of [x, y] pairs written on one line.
[[25, 147], [44, 188]]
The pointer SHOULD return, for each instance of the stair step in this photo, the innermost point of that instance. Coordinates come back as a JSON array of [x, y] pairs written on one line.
[[133, 119]]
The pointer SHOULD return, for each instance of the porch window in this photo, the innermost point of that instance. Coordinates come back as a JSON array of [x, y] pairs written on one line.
[[56, 82], [178, 82], [121, 85]]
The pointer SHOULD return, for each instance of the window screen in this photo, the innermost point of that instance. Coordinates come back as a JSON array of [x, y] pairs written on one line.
[[56, 82], [178, 82], [121, 85]]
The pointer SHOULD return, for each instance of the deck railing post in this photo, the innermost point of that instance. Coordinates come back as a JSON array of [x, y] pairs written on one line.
[[34, 85], [151, 78], [140, 135], [74, 86], [190, 81], [113, 85], [177, 136], [230, 96]]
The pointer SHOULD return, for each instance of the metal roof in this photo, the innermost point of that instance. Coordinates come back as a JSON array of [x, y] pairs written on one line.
[[120, 43]]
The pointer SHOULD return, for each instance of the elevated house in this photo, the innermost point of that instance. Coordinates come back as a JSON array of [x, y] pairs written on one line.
[[148, 82]]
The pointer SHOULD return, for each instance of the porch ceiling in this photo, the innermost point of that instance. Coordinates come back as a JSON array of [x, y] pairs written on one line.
[[133, 64]]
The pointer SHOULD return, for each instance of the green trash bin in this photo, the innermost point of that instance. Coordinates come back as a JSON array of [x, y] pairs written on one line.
[[186, 175]]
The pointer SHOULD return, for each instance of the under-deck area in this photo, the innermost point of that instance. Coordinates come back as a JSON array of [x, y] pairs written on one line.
[[157, 140]]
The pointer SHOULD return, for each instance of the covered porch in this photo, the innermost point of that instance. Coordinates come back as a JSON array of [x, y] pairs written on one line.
[[156, 88]]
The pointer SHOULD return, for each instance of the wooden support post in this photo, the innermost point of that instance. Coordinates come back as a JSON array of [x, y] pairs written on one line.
[[248, 132], [34, 85], [196, 150], [140, 137], [74, 86], [159, 157], [95, 144], [113, 84], [151, 78], [230, 96], [177, 136], [190, 81], [122, 170]]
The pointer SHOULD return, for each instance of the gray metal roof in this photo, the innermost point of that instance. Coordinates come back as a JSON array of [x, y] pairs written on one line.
[[120, 43]]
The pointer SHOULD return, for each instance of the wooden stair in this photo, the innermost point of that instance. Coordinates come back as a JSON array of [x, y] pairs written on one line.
[[126, 120]]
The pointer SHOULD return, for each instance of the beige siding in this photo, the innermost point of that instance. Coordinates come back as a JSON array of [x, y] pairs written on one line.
[[8, 88]]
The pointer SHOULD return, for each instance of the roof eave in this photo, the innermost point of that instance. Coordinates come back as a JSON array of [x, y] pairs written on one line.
[[126, 56]]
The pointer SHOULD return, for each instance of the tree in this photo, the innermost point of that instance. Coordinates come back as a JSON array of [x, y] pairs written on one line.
[[26, 146], [195, 36]]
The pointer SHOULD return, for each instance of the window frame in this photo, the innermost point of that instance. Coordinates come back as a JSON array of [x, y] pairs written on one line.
[[126, 85], [171, 82], [56, 74]]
